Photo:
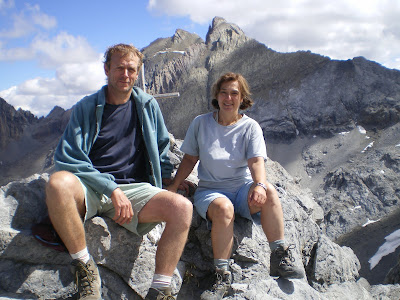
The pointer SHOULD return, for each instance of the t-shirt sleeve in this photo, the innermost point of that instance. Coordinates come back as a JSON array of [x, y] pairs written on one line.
[[256, 143], [190, 144]]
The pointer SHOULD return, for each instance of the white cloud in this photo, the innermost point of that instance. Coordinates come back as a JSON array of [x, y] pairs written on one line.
[[15, 54], [78, 72], [51, 52], [339, 29], [78, 69], [71, 83], [26, 22], [64, 48], [41, 19], [4, 4], [82, 77]]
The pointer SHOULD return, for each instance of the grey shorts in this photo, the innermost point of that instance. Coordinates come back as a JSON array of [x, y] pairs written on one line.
[[203, 198], [138, 193]]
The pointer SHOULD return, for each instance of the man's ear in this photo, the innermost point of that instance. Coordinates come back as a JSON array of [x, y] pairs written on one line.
[[106, 69]]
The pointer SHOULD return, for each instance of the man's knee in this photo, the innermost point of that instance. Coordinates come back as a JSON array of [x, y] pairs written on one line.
[[185, 208], [61, 177], [61, 183], [59, 180]]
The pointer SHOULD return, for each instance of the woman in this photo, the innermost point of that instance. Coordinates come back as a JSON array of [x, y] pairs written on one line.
[[232, 180]]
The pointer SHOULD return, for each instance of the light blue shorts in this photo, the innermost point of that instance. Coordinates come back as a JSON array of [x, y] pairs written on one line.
[[138, 193], [203, 198]]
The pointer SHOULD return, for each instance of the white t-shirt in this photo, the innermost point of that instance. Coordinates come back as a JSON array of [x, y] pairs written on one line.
[[224, 150]]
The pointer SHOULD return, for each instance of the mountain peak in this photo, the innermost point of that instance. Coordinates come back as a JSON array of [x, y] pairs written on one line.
[[12, 122], [217, 21], [223, 33], [183, 35], [56, 112]]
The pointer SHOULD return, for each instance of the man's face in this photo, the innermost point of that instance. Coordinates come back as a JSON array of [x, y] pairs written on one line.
[[122, 73]]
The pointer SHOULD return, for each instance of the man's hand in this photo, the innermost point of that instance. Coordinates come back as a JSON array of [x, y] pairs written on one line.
[[257, 196], [122, 206]]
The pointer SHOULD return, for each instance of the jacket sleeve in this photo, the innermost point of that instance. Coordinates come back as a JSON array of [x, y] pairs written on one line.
[[163, 144], [72, 153]]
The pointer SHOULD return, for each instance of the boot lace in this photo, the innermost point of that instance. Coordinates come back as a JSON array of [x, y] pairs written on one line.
[[220, 282], [84, 279], [163, 296], [286, 255], [167, 297]]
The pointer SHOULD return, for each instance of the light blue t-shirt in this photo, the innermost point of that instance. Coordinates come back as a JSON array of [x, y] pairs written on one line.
[[224, 150]]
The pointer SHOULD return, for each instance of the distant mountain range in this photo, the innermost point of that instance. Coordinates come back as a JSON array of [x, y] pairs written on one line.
[[333, 125]]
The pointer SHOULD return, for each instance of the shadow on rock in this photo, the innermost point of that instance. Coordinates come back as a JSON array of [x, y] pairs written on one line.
[[285, 285]]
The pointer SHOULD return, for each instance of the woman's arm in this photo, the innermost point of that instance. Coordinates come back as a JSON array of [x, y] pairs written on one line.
[[185, 168], [258, 193]]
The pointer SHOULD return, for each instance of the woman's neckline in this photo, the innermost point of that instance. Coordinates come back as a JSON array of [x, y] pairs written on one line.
[[219, 122]]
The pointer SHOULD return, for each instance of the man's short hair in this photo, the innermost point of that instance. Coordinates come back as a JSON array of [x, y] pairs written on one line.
[[124, 50], [243, 88]]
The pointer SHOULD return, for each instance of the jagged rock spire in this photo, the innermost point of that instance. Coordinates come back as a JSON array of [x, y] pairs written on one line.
[[223, 33]]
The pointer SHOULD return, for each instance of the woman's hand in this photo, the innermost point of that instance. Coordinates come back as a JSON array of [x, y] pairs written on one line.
[[184, 186], [257, 196]]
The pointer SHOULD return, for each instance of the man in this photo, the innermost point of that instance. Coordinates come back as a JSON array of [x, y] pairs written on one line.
[[112, 161]]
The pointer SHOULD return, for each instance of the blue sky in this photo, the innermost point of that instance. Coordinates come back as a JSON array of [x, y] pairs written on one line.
[[100, 23], [50, 51]]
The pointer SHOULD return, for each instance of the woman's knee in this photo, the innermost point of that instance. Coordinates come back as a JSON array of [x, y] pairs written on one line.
[[221, 209], [272, 195]]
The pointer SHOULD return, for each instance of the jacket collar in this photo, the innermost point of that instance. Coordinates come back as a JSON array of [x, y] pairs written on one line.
[[138, 94]]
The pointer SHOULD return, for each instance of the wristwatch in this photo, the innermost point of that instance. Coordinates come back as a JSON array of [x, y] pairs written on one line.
[[262, 185]]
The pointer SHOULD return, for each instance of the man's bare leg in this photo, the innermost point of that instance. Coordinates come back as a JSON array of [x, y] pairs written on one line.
[[66, 205], [176, 211]]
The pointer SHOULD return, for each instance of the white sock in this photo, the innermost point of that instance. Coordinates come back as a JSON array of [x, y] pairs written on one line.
[[221, 263], [161, 282], [82, 255], [275, 244]]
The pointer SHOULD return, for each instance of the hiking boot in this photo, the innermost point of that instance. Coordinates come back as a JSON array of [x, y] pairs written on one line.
[[282, 263], [87, 279], [156, 294], [223, 280]]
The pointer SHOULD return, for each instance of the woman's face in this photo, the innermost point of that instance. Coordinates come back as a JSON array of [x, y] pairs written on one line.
[[229, 97]]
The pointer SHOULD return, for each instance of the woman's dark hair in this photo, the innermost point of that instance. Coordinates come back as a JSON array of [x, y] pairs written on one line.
[[243, 88]]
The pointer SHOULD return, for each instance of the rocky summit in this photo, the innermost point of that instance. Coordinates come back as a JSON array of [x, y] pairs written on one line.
[[126, 262], [332, 132]]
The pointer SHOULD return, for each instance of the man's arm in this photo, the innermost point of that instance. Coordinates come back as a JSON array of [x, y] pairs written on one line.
[[72, 151]]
